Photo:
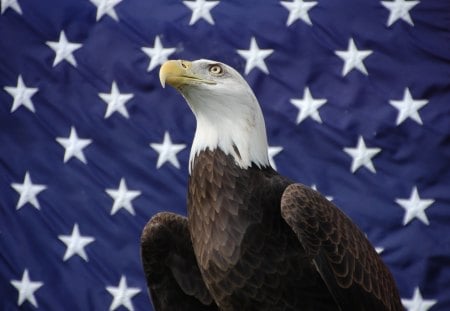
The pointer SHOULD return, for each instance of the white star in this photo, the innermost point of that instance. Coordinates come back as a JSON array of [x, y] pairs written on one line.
[[106, 7], [28, 192], [158, 54], [116, 101], [415, 207], [63, 50], [417, 303], [329, 198], [167, 151], [399, 9], [379, 250], [273, 151], [122, 295], [26, 289], [298, 9], [353, 58], [75, 243], [362, 156], [74, 146], [13, 4], [255, 57], [122, 197], [22, 95], [308, 106], [408, 107], [201, 9]]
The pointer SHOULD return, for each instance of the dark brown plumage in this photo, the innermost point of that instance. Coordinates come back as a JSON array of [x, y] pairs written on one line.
[[172, 273], [261, 243], [253, 240]]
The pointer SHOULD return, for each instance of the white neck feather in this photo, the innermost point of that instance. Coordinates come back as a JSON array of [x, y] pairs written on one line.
[[233, 125]]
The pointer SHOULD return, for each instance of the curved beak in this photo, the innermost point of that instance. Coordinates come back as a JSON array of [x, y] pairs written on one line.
[[179, 72]]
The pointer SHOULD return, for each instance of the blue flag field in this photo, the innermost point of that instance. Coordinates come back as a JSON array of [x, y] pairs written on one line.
[[356, 97]]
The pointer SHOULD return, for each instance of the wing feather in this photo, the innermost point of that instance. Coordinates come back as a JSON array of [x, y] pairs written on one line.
[[345, 259], [173, 277]]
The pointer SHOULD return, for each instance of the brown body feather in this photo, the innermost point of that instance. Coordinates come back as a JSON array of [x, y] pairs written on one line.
[[253, 240]]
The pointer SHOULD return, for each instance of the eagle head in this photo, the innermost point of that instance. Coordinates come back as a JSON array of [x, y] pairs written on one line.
[[227, 112]]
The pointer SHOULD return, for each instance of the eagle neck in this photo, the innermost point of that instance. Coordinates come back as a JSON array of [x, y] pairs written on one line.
[[237, 129]]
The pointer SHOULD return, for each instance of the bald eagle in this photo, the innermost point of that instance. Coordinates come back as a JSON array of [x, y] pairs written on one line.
[[252, 239]]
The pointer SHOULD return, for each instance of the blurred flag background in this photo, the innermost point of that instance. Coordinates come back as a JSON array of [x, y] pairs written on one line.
[[356, 96]]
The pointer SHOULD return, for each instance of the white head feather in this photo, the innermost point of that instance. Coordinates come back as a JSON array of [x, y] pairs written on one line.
[[227, 112]]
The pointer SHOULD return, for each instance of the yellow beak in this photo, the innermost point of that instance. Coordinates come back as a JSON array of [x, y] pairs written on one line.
[[179, 72]]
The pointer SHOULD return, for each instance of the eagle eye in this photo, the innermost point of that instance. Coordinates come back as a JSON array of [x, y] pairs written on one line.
[[216, 69]]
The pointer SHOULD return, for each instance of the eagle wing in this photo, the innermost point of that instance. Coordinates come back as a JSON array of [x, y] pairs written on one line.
[[173, 277], [351, 268]]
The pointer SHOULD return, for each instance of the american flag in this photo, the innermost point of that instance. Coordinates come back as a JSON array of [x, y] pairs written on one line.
[[356, 96]]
